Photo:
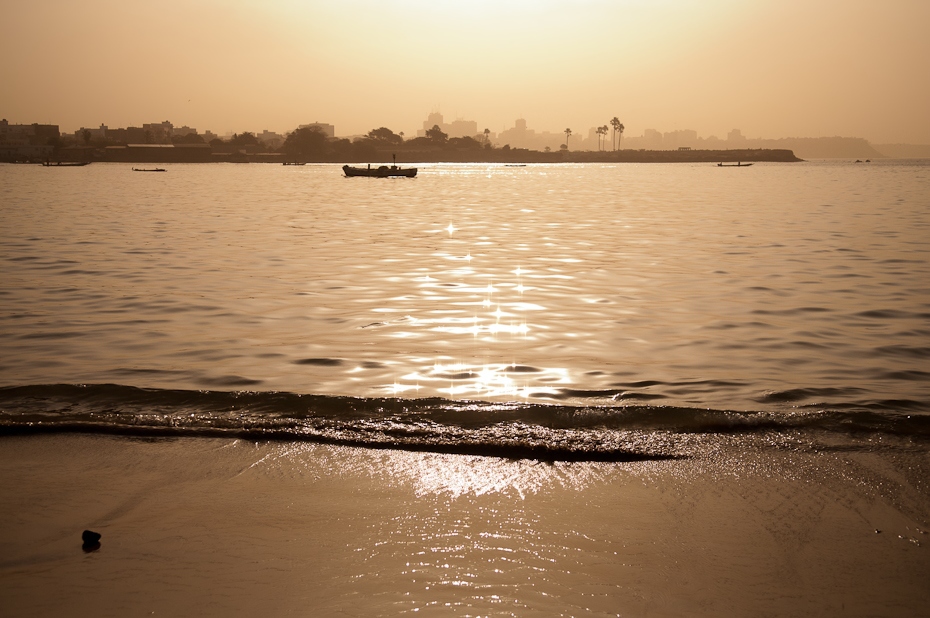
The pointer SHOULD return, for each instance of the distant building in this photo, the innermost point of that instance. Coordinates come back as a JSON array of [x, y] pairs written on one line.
[[677, 139], [182, 131], [160, 131], [521, 137], [23, 142], [27, 134], [272, 139], [95, 134], [326, 129], [736, 136], [129, 135], [456, 128]]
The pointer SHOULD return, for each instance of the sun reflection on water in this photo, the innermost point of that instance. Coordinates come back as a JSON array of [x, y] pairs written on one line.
[[486, 312]]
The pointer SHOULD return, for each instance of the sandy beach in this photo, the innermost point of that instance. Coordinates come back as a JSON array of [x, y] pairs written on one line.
[[231, 528]]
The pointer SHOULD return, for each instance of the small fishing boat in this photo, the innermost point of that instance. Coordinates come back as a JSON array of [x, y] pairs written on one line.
[[738, 164], [293, 163], [157, 169], [66, 164], [382, 171]]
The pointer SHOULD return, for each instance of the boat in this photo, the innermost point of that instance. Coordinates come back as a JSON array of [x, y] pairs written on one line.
[[66, 164], [382, 171], [293, 163], [738, 164], [157, 169]]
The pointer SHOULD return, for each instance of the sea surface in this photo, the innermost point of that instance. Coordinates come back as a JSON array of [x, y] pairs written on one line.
[[557, 312]]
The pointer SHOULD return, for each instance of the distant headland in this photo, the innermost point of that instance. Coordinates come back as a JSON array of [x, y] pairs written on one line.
[[438, 141]]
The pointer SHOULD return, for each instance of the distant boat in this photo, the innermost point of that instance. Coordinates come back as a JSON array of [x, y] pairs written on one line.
[[293, 163], [66, 164], [157, 169], [739, 164], [382, 171]]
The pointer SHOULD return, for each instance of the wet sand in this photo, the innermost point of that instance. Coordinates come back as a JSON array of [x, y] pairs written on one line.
[[218, 527]]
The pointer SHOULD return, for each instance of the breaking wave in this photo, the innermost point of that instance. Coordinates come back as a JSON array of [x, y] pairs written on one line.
[[512, 430]]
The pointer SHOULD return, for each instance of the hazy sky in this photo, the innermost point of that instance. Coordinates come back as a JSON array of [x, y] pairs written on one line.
[[773, 68]]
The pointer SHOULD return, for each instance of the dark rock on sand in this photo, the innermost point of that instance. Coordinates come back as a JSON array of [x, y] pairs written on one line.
[[91, 540]]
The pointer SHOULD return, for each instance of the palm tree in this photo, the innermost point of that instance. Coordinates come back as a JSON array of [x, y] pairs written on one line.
[[568, 134], [602, 132], [620, 129], [487, 136], [615, 123]]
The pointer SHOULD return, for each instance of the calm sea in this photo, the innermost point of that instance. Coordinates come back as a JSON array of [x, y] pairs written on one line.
[[553, 311]]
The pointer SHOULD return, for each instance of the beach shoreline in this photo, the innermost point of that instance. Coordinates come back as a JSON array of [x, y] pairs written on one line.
[[228, 527]]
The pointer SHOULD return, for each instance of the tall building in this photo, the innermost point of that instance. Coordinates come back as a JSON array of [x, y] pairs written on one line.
[[456, 128], [522, 137], [736, 136]]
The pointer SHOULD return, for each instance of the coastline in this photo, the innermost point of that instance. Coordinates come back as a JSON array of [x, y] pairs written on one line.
[[235, 528], [172, 154]]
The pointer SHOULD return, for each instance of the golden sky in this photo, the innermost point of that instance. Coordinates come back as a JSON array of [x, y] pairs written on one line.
[[772, 68]]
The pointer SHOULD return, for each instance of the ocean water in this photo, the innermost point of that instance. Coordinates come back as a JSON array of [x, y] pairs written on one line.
[[555, 312]]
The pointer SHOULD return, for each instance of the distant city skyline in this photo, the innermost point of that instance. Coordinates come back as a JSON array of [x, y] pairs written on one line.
[[520, 135], [773, 68], [19, 141]]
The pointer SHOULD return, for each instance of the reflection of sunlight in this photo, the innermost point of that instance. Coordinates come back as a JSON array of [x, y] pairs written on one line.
[[487, 308], [501, 380], [432, 473], [403, 388], [460, 475]]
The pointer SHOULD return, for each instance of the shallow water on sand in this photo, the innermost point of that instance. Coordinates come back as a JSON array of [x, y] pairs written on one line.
[[233, 528], [685, 285]]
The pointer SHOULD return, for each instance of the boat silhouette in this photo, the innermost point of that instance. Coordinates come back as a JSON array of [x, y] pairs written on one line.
[[382, 171]]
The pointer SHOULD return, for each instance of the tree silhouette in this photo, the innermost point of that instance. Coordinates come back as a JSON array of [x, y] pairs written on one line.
[[568, 134], [190, 138], [244, 139], [487, 136], [601, 134], [615, 123], [384, 134], [435, 134], [86, 135], [306, 142]]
